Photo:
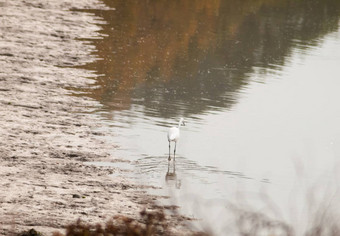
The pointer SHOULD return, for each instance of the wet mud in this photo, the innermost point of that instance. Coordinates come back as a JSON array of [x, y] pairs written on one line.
[[46, 135]]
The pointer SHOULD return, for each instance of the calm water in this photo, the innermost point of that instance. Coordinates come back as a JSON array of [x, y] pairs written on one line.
[[258, 83]]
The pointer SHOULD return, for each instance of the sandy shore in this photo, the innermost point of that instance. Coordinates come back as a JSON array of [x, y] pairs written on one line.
[[46, 134]]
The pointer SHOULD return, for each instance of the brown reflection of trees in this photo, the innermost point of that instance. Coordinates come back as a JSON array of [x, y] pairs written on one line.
[[197, 53]]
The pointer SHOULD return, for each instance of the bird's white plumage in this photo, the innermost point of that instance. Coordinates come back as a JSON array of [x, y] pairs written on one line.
[[174, 134]]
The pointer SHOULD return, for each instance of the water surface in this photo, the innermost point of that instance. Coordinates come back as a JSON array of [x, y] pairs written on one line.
[[257, 83]]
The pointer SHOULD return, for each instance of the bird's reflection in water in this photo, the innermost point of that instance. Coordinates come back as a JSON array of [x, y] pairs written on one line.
[[171, 176]]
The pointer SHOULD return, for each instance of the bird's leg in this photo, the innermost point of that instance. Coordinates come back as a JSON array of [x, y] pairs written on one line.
[[175, 151], [169, 159]]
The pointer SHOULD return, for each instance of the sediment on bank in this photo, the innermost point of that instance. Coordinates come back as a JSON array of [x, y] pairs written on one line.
[[46, 134]]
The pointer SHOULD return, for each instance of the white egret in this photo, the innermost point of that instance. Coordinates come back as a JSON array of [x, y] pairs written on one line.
[[173, 136]]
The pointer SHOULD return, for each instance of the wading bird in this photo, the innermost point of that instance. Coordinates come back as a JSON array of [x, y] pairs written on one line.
[[173, 135]]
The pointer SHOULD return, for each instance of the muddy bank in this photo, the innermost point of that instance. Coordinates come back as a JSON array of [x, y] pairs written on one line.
[[46, 134]]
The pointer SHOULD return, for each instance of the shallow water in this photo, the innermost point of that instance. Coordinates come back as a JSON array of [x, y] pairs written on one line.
[[257, 83]]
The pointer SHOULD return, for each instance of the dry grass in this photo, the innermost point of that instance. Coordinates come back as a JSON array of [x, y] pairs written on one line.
[[31, 232], [151, 223]]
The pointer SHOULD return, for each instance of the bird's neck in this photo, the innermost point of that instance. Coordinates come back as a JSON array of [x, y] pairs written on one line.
[[179, 124]]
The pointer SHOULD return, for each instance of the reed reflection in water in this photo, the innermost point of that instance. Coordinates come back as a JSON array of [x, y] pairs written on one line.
[[186, 58]]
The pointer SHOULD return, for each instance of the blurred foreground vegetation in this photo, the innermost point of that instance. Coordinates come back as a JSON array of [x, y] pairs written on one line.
[[155, 223], [150, 223]]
